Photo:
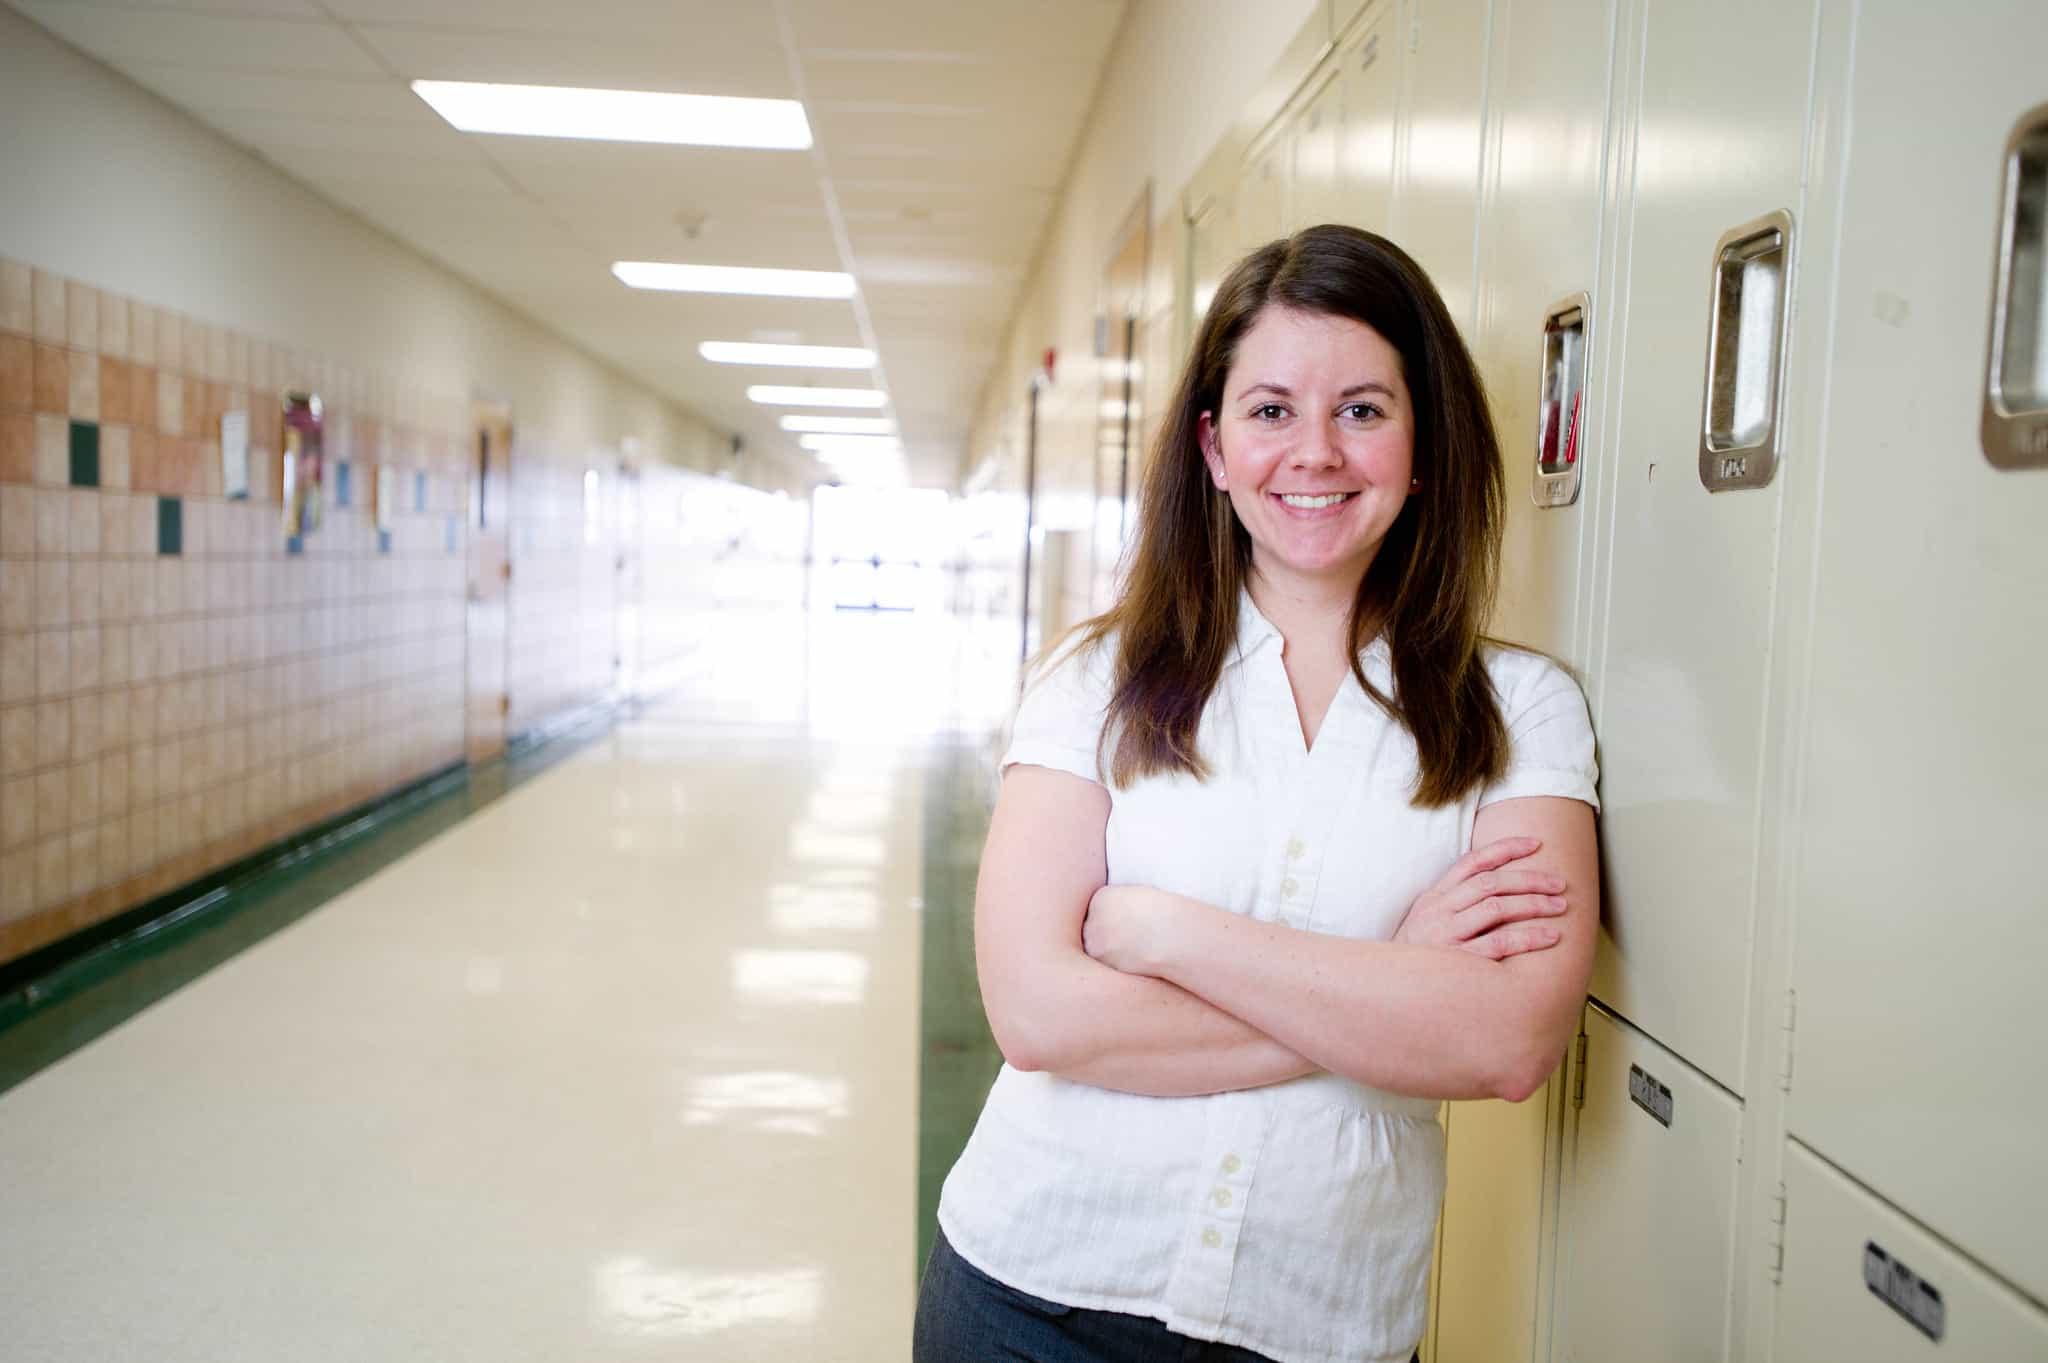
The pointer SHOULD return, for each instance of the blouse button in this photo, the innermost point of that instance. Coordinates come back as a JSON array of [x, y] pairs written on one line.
[[1289, 886], [1222, 1196], [1295, 848], [1231, 1164], [1212, 1237]]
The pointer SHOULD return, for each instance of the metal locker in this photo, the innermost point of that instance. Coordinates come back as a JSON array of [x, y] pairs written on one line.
[[1314, 139], [1490, 1241], [1262, 194], [1434, 208], [1648, 1206], [1541, 258], [1861, 1281], [1722, 106], [1540, 242], [1369, 72], [1918, 933]]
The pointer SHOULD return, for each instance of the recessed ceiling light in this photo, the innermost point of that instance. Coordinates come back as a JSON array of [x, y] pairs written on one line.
[[796, 356], [773, 395], [653, 274], [852, 444], [840, 425], [618, 115]]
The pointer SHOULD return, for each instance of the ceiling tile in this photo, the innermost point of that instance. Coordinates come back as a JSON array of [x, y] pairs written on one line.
[[125, 37], [584, 57]]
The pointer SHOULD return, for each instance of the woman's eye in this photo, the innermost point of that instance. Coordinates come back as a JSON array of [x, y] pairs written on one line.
[[1362, 411], [1269, 411]]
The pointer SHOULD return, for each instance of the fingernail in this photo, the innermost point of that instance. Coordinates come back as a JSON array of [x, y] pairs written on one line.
[[1557, 902]]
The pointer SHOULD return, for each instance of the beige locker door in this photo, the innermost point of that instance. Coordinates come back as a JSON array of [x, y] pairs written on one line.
[[1435, 204], [1541, 244], [1648, 1207], [1919, 1065], [1540, 241], [1863, 1282], [1212, 235], [1369, 71], [1262, 195], [1722, 114], [1315, 194]]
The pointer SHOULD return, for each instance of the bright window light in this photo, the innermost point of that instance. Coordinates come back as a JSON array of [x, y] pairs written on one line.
[[651, 274], [852, 444], [840, 425], [794, 356], [772, 395], [618, 115]]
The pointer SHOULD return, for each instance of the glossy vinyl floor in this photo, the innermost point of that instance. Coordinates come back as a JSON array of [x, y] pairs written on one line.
[[624, 1065]]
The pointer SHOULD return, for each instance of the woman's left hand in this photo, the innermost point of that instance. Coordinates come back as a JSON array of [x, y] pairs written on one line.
[[1125, 927]]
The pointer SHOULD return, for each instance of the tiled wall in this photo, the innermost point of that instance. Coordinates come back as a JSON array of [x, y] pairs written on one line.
[[178, 686]]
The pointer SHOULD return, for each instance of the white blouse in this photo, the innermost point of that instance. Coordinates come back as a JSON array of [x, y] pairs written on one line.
[[1295, 1220]]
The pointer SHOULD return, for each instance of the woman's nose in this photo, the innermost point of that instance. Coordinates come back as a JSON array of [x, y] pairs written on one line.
[[1318, 448]]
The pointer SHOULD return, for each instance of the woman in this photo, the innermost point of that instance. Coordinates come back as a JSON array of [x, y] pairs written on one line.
[[1232, 936]]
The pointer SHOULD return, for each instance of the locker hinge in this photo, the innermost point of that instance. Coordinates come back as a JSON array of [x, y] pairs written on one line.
[[1579, 1072], [1791, 1021], [1776, 1236]]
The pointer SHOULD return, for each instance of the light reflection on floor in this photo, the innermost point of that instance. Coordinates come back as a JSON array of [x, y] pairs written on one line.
[[629, 1056]]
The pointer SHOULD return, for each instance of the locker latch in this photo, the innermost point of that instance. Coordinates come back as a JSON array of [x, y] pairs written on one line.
[[1579, 1072]]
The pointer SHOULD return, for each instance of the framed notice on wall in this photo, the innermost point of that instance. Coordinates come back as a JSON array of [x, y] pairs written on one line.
[[234, 456], [304, 471]]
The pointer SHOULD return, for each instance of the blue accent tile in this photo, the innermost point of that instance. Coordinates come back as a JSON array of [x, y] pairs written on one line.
[[85, 454], [454, 534], [170, 526], [419, 492], [295, 545], [383, 541], [342, 485]]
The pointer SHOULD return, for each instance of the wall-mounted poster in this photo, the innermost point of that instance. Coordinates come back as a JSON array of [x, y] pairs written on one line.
[[303, 470], [234, 456], [387, 505]]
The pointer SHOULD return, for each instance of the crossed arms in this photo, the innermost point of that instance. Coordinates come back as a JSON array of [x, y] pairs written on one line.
[[1166, 996]]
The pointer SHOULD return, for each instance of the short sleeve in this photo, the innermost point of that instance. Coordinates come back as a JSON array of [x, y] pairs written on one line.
[[1550, 738], [1059, 719]]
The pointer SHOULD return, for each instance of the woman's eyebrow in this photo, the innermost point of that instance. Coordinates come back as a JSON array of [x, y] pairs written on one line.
[[1281, 390]]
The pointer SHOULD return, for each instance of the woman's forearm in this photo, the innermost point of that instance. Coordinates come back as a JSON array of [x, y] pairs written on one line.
[[1427, 1021], [1136, 1034]]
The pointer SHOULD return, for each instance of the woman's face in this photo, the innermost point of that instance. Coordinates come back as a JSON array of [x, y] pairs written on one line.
[[1314, 443]]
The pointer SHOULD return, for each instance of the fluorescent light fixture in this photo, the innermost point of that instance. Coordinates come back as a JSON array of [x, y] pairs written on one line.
[[618, 115], [652, 274], [794, 356], [851, 444], [840, 425], [771, 395]]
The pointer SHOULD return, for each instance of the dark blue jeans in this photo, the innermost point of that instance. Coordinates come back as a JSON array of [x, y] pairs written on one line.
[[965, 1316]]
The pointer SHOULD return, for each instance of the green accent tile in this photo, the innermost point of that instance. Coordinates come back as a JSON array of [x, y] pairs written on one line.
[[170, 525], [85, 454]]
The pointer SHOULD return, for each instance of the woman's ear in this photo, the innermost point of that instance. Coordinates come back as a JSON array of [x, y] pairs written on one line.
[[1212, 450]]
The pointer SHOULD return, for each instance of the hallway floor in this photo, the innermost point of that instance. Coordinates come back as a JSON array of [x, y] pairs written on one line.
[[624, 1065]]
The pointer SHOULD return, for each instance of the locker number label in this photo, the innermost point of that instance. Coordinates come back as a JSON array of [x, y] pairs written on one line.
[[1649, 1095], [1905, 1291]]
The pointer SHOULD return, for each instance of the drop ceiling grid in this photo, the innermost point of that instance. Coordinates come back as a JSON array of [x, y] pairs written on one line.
[[945, 129]]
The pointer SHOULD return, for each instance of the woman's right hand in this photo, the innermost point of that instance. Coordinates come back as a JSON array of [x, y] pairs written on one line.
[[1485, 906]]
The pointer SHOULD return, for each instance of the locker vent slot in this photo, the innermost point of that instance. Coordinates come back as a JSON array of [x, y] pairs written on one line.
[[1746, 355], [1905, 1291], [1560, 402], [2015, 430]]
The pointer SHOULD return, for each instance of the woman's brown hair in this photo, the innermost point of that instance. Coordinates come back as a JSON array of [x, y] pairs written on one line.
[[1430, 585]]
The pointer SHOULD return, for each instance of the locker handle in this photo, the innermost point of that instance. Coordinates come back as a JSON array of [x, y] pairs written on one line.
[[1560, 400], [1747, 333], [2015, 425]]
